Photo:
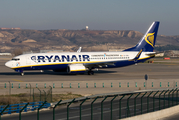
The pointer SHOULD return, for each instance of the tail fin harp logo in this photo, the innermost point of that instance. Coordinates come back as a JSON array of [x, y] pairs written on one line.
[[150, 39]]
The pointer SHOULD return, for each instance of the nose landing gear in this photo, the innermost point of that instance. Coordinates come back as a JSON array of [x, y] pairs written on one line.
[[20, 71]]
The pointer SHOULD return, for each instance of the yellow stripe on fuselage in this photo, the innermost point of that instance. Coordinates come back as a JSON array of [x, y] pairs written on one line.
[[79, 70]]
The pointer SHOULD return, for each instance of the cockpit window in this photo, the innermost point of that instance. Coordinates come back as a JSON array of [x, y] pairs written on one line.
[[15, 59]]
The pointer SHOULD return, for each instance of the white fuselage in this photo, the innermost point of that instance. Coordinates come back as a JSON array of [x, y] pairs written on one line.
[[40, 60]]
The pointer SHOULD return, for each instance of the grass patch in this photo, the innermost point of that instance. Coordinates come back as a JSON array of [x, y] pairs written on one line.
[[24, 98], [13, 99], [58, 97]]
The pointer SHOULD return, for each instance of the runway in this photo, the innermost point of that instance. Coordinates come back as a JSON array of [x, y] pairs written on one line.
[[153, 70], [162, 72], [157, 73]]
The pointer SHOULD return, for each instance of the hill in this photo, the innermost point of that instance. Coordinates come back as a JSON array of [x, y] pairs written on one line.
[[70, 40]]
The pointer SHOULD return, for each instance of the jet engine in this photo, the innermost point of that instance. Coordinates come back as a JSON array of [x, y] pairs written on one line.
[[76, 68]]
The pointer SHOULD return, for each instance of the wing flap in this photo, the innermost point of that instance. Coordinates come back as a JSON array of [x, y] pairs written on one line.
[[100, 64]]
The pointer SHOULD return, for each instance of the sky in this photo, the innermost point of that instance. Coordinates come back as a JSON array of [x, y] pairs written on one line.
[[135, 15]]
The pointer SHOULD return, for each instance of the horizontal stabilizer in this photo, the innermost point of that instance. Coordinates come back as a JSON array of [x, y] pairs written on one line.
[[154, 53]]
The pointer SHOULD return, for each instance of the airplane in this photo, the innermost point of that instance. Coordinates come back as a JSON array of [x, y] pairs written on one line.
[[81, 62]]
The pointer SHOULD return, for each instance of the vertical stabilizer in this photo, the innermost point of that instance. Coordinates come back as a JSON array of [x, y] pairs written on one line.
[[147, 42]]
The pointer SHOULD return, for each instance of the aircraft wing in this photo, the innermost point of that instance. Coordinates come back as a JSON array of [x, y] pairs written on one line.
[[106, 63], [99, 64]]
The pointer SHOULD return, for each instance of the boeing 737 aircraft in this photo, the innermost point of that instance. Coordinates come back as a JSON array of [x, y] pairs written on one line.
[[80, 62]]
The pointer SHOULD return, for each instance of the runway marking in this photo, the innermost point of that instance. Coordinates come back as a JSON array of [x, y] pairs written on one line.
[[17, 80]]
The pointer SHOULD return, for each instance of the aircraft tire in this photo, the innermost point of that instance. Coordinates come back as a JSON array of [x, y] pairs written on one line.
[[90, 73], [22, 74]]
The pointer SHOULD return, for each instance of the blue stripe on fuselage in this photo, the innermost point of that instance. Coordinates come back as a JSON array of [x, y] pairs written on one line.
[[45, 67]]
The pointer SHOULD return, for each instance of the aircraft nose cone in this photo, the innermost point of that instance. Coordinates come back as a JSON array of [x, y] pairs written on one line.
[[8, 64]]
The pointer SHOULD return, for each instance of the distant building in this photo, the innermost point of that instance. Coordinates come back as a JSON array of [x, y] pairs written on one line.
[[115, 50], [50, 51], [172, 53], [6, 54], [159, 55], [27, 52], [10, 28]]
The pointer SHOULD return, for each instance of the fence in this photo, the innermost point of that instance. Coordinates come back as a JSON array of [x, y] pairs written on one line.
[[115, 105], [112, 84], [42, 95], [18, 108], [129, 103], [34, 93]]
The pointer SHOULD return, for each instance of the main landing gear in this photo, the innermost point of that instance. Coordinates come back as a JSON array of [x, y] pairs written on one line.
[[90, 72], [22, 73]]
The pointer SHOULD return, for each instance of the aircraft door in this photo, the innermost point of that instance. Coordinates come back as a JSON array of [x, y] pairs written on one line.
[[28, 60]]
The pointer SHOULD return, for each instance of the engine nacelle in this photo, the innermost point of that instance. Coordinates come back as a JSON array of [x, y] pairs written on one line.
[[76, 68]]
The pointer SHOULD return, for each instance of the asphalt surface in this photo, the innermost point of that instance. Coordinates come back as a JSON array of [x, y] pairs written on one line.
[[154, 71], [105, 113], [173, 117], [133, 74]]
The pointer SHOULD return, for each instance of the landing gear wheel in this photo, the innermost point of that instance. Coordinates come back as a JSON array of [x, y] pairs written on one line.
[[90, 73], [22, 73]]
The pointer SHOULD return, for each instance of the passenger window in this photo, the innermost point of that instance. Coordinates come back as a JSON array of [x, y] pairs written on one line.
[[15, 59]]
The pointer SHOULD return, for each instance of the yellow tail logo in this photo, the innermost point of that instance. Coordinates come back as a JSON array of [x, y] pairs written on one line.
[[150, 39]]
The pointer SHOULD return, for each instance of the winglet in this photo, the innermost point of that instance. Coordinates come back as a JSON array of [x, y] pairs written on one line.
[[79, 50]]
